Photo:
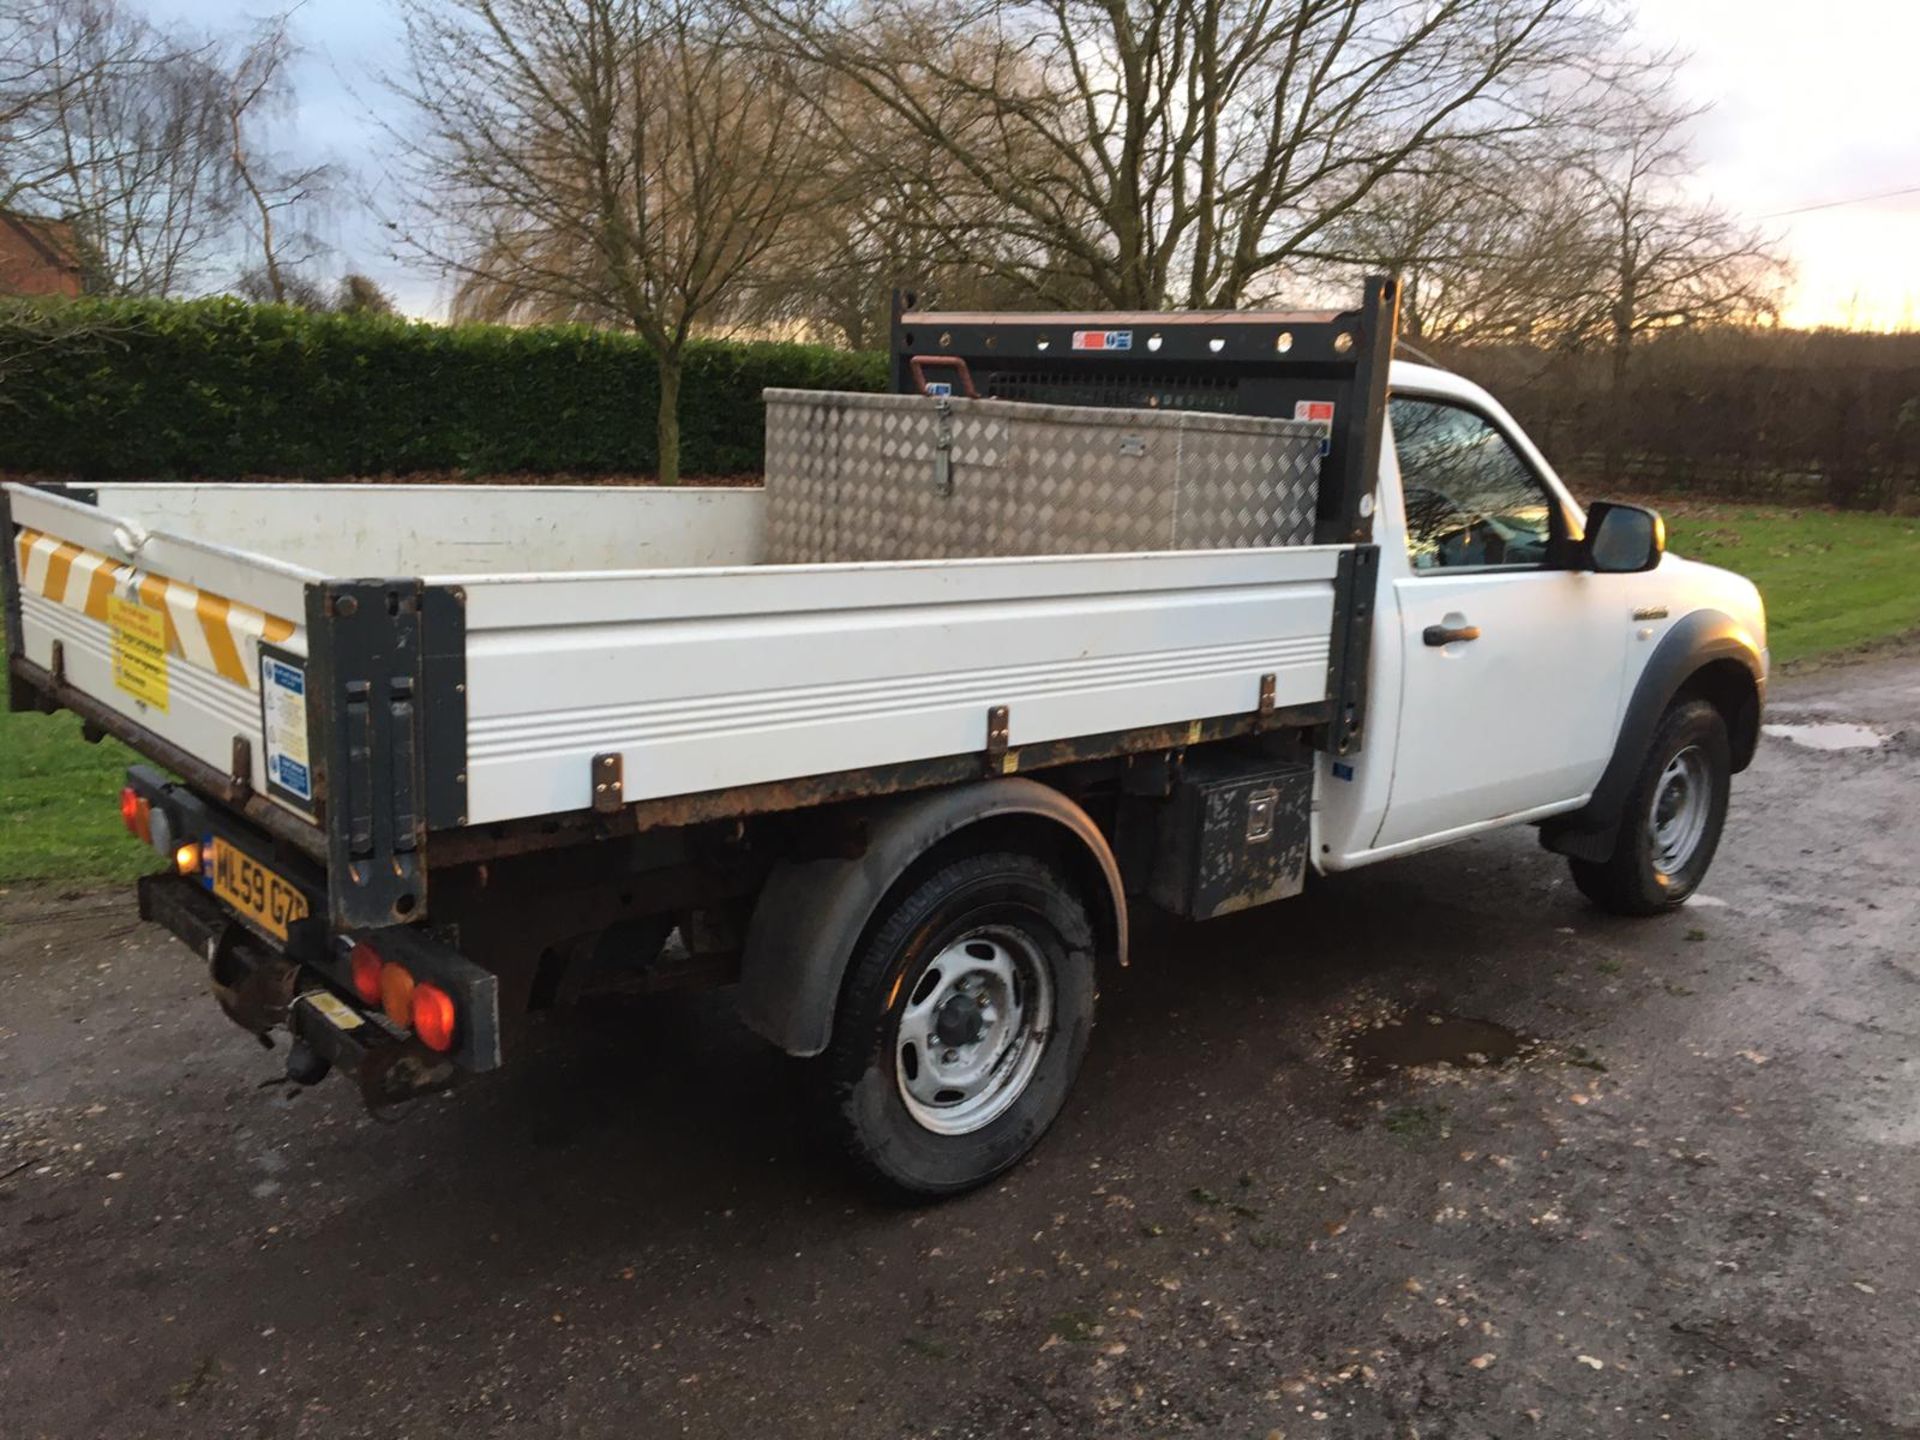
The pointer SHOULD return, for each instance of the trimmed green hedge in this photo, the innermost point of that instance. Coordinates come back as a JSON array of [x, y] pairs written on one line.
[[222, 388]]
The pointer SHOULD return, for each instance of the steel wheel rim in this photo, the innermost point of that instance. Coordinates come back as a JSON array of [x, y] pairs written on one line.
[[1682, 802], [972, 1032]]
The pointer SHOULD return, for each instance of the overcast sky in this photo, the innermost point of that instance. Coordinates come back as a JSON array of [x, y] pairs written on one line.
[[1812, 104]]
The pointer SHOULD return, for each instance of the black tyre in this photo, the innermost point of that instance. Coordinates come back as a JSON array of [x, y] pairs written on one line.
[[1670, 825], [961, 1024]]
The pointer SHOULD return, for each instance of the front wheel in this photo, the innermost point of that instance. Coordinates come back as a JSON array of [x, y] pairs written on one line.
[[961, 1024], [1670, 825]]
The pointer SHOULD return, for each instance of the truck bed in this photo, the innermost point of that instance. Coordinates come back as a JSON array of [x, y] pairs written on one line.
[[697, 667]]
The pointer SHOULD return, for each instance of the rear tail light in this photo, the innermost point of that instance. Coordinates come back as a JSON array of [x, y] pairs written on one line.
[[136, 813], [433, 1017], [420, 1006], [396, 994], [366, 964]]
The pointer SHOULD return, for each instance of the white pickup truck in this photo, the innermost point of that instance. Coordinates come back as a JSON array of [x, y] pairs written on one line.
[[1092, 608]]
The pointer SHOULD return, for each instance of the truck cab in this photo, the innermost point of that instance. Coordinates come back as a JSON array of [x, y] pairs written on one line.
[[1512, 665]]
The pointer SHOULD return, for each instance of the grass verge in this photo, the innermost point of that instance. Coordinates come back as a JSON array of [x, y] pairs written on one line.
[[59, 817], [1833, 580]]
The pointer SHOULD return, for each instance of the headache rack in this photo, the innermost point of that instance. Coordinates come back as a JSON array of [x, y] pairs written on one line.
[[1327, 366]]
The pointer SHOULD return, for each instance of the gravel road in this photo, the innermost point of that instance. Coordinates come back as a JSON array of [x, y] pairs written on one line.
[[1683, 1204]]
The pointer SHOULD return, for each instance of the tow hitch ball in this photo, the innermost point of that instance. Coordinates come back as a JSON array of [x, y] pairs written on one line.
[[306, 1065]]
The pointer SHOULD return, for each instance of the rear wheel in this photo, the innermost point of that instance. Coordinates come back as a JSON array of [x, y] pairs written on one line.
[[1670, 825], [961, 1024]]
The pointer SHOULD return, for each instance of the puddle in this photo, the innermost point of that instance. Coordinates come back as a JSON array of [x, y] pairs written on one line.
[[1423, 1040], [1828, 735]]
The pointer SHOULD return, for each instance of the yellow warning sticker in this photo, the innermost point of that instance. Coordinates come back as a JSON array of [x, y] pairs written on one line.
[[139, 651]]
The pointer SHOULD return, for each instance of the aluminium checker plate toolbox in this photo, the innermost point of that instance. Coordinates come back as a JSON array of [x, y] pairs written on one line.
[[859, 477]]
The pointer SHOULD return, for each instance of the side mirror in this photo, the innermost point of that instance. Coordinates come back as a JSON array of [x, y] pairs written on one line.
[[1622, 539]]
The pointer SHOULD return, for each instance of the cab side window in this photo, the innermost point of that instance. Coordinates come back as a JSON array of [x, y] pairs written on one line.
[[1471, 501]]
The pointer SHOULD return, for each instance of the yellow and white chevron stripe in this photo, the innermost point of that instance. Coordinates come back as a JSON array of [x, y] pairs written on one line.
[[203, 629]]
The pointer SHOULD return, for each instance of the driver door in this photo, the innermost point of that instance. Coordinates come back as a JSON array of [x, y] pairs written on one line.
[[1511, 668]]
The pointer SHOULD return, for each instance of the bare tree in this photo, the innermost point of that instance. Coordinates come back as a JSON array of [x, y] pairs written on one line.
[[1585, 236], [624, 162], [1489, 246], [114, 127], [278, 196], [1662, 258], [284, 285], [835, 271], [1183, 151], [359, 294]]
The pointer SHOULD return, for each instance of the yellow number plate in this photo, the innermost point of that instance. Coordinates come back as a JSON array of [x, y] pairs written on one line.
[[265, 898]]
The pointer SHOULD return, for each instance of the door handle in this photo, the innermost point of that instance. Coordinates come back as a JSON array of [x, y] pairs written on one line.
[[1448, 634]]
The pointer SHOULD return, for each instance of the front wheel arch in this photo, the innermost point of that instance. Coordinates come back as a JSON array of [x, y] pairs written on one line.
[[1729, 686], [1706, 654], [1675, 812]]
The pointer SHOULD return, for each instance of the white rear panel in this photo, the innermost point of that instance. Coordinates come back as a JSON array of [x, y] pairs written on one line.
[[712, 679]]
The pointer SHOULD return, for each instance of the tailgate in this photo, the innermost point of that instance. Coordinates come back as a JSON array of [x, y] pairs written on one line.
[[193, 645]]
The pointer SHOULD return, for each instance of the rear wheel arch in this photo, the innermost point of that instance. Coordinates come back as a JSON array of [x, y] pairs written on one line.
[[812, 915]]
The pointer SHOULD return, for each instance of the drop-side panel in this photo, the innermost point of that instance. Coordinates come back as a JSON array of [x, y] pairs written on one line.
[[160, 629], [706, 680]]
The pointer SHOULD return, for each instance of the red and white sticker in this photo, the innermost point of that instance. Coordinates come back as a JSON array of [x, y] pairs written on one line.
[[1321, 410], [1103, 339]]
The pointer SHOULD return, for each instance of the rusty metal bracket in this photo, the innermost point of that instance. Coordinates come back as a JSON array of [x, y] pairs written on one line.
[[609, 783], [57, 662], [1000, 760], [240, 773], [920, 364], [1266, 701]]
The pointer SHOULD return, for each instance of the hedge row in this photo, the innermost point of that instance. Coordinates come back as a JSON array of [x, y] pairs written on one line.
[[221, 388]]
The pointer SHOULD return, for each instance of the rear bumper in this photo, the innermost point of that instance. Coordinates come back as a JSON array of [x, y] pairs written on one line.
[[262, 990], [257, 978]]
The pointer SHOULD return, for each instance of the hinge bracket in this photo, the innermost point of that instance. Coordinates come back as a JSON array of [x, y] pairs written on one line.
[[1000, 760], [240, 771], [609, 783]]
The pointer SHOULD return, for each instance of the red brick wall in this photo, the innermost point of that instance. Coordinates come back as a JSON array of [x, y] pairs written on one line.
[[35, 258]]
